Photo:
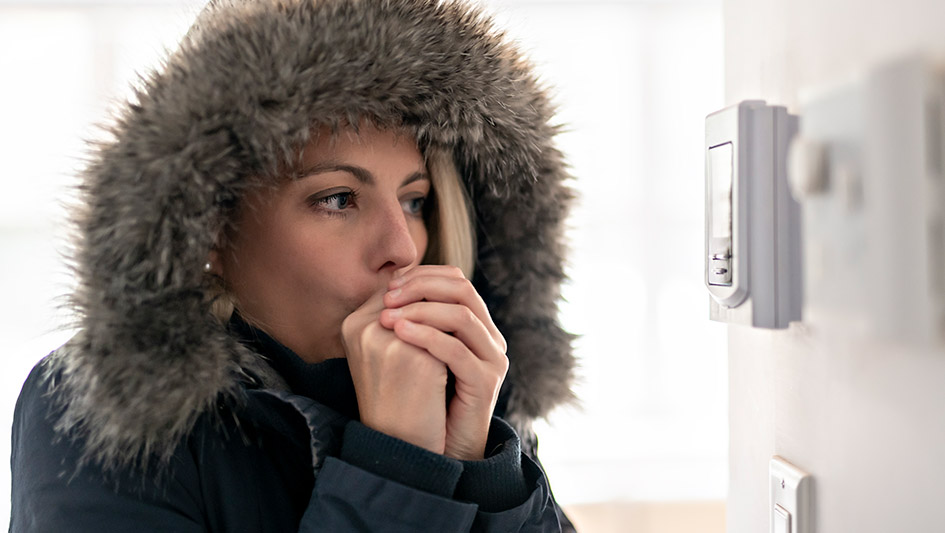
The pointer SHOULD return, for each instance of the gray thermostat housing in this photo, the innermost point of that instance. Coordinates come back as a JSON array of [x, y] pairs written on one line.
[[752, 242]]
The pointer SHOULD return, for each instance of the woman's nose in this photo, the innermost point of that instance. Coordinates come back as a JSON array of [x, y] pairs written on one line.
[[395, 243]]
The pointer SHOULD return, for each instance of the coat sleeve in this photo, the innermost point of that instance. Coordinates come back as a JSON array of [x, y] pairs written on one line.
[[380, 483], [51, 493]]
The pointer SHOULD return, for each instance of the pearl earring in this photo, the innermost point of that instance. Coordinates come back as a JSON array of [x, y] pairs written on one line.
[[207, 266]]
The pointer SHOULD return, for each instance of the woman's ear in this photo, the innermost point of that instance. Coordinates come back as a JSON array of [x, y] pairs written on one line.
[[214, 266]]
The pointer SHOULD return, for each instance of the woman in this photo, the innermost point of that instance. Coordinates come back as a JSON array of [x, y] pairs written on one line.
[[303, 259]]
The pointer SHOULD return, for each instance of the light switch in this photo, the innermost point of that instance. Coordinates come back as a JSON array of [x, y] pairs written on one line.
[[782, 520], [790, 498]]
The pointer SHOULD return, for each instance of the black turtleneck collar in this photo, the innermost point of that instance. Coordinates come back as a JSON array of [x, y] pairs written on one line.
[[328, 382]]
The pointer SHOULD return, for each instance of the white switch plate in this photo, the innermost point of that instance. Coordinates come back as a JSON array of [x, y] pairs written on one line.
[[791, 489]]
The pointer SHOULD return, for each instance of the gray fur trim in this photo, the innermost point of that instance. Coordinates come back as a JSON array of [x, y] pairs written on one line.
[[237, 99]]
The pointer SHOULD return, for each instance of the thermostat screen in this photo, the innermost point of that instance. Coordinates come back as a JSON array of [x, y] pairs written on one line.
[[720, 187]]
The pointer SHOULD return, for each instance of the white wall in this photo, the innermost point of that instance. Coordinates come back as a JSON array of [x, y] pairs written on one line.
[[866, 419]]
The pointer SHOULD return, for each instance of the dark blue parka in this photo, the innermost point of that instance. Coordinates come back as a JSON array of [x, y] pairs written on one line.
[[157, 416], [278, 462]]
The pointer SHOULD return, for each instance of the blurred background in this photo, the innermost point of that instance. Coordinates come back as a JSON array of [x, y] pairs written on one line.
[[646, 449]]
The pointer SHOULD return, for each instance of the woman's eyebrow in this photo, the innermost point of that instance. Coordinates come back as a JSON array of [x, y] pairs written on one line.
[[416, 176], [361, 174]]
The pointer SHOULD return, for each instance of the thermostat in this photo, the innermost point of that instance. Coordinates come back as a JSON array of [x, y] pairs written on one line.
[[752, 241]]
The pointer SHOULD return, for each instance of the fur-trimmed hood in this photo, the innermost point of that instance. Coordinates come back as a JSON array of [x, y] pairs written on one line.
[[236, 100]]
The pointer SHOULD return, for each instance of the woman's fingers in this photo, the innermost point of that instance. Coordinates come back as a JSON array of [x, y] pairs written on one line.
[[404, 275], [436, 309], [477, 387], [448, 349], [434, 287], [479, 377], [449, 318], [441, 284], [401, 387]]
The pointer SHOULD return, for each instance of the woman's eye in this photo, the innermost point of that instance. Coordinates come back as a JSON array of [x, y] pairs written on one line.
[[335, 202], [414, 206]]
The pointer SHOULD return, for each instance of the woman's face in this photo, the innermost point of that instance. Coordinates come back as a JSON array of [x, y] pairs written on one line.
[[306, 254]]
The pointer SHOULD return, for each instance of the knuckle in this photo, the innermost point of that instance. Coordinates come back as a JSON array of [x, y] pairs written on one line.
[[503, 364], [468, 289], [467, 317], [372, 346], [455, 271], [462, 281], [371, 329], [503, 345], [347, 326], [395, 350], [496, 382], [391, 348]]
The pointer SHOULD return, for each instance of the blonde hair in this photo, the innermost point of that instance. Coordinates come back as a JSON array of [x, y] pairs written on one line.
[[452, 240]]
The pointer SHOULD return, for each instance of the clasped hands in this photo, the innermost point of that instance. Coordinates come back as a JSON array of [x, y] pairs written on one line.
[[400, 344]]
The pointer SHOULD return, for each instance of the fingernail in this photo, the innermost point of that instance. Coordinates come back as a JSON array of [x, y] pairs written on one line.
[[396, 282], [394, 293], [394, 314]]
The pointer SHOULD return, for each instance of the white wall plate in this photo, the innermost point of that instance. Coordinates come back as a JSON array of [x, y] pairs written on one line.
[[790, 498]]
